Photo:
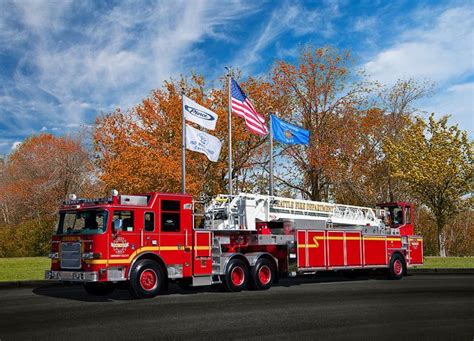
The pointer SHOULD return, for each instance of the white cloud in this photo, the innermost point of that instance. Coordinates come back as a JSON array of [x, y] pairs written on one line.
[[442, 52], [438, 53], [78, 59], [43, 15], [365, 24], [457, 101], [43, 129], [289, 18], [15, 145]]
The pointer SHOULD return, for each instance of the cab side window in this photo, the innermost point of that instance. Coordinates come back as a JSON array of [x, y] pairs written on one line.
[[407, 215], [127, 219], [398, 216], [170, 216], [149, 221]]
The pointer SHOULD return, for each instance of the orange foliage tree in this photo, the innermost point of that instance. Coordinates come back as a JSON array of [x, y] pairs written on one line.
[[350, 119], [36, 177], [316, 94], [140, 150], [41, 172]]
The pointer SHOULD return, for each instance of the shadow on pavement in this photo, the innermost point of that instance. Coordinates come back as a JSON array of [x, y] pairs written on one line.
[[76, 291]]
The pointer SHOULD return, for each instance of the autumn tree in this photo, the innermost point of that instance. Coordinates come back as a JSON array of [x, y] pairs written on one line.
[[43, 170], [140, 150], [3, 195], [460, 234], [397, 102], [436, 162], [361, 179], [318, 96], [36, 177]]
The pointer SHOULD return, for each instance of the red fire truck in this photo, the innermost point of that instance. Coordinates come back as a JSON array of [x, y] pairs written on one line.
[[240, 241]]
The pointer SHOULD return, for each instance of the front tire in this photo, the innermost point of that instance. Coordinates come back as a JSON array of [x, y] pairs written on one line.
[[146, 279], [99, 288], [397, 267], [236, 277]]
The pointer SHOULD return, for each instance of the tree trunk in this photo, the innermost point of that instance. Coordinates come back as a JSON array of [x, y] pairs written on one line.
[[391, 197], [441, 239]]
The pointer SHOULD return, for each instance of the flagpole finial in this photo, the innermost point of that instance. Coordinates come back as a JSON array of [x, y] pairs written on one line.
[[229, 70], [182, 90]]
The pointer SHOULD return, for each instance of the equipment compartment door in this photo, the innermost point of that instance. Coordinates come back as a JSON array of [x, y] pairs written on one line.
[[202, 253], [375, 250], [301, 250], [316, 249], [353, 249], [416, 250], [335, 249]]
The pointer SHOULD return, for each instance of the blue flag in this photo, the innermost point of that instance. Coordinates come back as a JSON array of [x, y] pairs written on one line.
[[285, 132]]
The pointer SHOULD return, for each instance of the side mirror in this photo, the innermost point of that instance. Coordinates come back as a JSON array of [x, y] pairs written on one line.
[[118, 225]]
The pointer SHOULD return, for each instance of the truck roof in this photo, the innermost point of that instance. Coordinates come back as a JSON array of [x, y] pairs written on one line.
[[147, 200]]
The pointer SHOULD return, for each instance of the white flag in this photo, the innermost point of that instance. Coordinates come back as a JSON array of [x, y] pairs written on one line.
[[198, 114], [202, 142]]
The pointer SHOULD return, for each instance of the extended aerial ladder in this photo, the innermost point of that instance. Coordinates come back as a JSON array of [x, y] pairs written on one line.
[[242, 211]]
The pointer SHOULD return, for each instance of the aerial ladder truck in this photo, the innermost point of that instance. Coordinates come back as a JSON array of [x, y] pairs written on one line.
[[240, 241]]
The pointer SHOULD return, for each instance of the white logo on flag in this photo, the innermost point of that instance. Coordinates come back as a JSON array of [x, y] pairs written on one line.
[[198, 114], [202, 142]]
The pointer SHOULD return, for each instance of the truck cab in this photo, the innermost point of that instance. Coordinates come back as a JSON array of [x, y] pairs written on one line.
[[99, 241], [399, 215]]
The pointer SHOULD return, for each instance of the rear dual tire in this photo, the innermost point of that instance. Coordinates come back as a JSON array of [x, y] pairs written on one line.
[[263, 275], [238, 277]]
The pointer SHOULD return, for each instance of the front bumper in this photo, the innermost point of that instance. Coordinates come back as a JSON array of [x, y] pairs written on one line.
[[73, 276]]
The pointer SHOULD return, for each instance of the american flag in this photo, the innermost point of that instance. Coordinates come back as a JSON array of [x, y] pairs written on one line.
[[242, 107]]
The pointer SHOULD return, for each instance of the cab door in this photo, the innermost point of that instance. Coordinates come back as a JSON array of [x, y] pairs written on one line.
[[175, 239], [126, 241], [149, 231]]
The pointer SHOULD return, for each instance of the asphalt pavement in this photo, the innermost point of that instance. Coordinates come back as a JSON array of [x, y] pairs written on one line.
[[428, 306]]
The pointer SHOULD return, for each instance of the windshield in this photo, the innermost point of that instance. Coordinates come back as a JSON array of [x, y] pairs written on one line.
[[83, 222], [394, 215]]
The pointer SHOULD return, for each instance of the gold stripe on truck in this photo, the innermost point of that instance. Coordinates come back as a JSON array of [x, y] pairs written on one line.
[[141, 250]]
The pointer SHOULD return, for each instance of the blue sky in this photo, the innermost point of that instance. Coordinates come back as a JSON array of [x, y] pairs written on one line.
[[64, 62]]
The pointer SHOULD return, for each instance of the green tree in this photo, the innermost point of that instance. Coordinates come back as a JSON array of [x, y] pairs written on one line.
[[436, 162], [397, 102]]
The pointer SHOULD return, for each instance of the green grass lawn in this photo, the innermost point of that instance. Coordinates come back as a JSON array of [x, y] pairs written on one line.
[[448, 262], [23, 268], [32, 268]]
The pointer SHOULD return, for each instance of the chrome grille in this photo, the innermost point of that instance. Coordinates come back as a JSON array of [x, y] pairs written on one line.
[[71, 255]]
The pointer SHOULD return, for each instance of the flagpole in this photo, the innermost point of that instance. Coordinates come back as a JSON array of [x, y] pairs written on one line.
[[229, 128], [183, 150], [271, 156]]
